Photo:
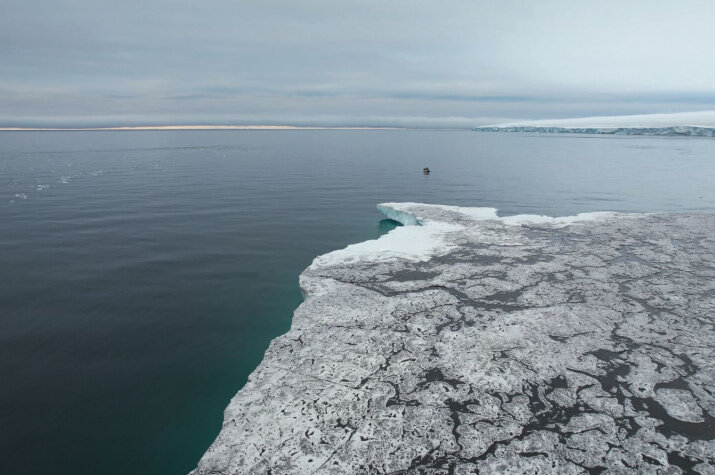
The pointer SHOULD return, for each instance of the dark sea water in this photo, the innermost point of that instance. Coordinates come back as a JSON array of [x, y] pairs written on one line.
[[142, 274]]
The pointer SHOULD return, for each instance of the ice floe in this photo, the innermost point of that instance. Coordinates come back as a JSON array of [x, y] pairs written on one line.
[[467, 342]]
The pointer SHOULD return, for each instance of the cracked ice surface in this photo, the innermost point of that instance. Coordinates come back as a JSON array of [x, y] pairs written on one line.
[[477, 343]]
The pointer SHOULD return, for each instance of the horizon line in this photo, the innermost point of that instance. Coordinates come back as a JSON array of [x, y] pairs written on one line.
[[216, 127]]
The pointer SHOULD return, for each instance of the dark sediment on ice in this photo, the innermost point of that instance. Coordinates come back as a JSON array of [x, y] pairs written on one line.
[[526, 345]]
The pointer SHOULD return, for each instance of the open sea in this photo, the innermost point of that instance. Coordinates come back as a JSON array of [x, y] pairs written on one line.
[[143, 273]]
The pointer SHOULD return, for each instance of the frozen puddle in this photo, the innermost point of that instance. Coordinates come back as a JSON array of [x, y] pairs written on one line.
[[468, 342]]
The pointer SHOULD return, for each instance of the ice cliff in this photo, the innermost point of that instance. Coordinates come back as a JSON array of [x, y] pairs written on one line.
[[683, 130], [701, 124], [468, 342]]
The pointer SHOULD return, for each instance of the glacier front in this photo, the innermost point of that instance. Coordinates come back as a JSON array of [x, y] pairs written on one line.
[[466, 342], [700, 123]]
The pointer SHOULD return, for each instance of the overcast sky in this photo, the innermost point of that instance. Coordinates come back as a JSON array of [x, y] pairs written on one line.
[[315, 62]]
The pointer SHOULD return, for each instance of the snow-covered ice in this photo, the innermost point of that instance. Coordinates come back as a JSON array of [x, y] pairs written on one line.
[[466, 342], [700, 123]]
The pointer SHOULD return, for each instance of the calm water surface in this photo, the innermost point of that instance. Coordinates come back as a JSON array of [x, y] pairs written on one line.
[[142, 274]]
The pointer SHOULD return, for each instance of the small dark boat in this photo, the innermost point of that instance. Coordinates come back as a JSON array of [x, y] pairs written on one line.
[[425, 170]]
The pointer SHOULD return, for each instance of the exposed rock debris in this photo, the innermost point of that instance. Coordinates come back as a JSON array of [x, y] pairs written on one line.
[[527, 348]]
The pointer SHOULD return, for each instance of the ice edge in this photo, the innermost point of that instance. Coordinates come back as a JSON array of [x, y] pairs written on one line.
[[426, 227]]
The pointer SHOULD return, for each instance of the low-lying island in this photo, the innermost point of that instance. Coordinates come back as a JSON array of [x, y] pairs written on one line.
[[466, 342]]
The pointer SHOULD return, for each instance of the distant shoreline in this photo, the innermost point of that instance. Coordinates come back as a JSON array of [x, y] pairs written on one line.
[[673, 131], [207, 127], [697, 123]]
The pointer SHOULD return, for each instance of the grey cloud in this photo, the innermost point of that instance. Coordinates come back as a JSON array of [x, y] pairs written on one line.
[[350, 63]]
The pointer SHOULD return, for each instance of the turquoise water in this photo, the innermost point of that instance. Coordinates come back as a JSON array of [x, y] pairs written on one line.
[[144, 273]]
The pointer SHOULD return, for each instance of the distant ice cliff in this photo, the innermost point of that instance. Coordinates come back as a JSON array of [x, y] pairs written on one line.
[[700, 124], [469, 342]]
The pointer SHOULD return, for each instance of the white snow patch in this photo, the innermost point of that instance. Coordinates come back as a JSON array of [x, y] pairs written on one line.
[[417, 243], [559, 221], [425, 228]]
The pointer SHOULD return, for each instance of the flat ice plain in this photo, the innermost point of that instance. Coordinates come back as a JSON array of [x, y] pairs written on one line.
[[470, 343]]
